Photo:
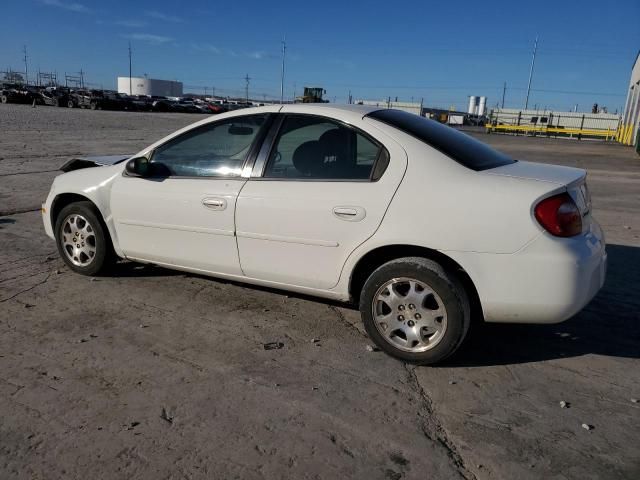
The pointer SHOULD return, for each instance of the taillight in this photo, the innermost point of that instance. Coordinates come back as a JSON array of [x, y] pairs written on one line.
[[559, 215]]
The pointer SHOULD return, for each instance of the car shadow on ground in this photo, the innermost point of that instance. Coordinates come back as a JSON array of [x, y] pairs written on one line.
[[130, 269], [609, 325]]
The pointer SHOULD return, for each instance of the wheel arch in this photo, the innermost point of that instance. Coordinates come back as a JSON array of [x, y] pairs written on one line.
[[381, 255], [63, 199]]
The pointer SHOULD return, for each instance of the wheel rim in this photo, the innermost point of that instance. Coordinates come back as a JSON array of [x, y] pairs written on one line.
[[409, 315], [78, 240]]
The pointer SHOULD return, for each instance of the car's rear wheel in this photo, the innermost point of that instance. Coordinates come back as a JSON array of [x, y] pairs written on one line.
[[70, 104], [82, 239], [415, 310], [4, 99]]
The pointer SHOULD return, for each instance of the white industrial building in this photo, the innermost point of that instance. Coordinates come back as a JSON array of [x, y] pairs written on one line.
[[411, 107], [149, 86], [630, 124]]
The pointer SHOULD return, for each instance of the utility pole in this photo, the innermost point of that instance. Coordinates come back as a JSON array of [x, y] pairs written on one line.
[[213, 91], [246, 88], [533, 61], [284, 49], [130, 82], [504, 91], [26, 68], [81, 79]]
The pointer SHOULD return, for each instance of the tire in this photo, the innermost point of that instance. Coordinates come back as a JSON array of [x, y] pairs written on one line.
[[93, 106], [4, 99], [54, 103], [70, 104], [426, 321], [95, 237]]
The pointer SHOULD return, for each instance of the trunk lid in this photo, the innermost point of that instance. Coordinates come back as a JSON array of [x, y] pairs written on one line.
[[569, 179]]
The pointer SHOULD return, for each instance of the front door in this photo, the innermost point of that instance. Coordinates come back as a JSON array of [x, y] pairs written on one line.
[[324, 191], [183, 215]]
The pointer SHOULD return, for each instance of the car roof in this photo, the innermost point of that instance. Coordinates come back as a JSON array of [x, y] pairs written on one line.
[[314, 107]]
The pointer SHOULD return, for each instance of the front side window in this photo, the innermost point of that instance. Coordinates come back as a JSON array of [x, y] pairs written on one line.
[[218, 149], [310, 147]]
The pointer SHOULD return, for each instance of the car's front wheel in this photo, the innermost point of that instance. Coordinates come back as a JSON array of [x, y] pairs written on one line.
[[83, 241], [415, 310]]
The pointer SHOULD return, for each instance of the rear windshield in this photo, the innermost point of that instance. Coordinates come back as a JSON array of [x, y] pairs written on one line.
[[459, 146]]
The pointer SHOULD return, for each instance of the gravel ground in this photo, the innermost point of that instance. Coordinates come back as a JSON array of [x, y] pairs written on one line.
[[154, 374]]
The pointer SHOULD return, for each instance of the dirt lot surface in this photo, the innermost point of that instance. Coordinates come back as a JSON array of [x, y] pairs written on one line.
[[154, 374]]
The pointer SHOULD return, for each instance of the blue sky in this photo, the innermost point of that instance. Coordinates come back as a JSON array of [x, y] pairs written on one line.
[[441, 51]]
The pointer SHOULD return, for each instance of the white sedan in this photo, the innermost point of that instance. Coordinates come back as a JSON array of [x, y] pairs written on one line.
[[420, 225]]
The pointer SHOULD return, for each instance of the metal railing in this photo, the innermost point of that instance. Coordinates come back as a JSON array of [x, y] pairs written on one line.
[[554, 124]]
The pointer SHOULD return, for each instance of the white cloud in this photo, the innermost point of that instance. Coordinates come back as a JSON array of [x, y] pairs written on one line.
[[130, 23], [71, 6], [163, 16], [148, 38], [206, 47]]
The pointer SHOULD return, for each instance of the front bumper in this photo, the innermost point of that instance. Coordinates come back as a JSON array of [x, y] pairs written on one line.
[[46, 215]]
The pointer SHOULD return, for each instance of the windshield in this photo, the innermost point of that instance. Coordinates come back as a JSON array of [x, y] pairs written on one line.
[[459, 146]]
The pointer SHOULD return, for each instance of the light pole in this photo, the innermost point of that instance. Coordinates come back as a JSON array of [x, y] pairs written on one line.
[[533, 61], [26, 67], [284, 49], [130, 82]]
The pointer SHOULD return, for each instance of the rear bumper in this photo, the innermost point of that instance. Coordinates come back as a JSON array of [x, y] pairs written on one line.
[[548, 281]]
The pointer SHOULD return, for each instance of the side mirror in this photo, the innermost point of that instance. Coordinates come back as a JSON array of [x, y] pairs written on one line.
[[138, 167]]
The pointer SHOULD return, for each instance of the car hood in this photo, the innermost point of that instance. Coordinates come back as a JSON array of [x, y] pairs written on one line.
[[92, 161], [539, 171]]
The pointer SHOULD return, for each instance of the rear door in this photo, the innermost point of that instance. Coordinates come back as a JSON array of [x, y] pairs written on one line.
[[323, 190]]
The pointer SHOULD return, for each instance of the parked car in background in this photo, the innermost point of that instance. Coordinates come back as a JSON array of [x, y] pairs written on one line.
[[47, 97], [16, 93], [110, 100], [141, 103], [421, 226], [79, 99]]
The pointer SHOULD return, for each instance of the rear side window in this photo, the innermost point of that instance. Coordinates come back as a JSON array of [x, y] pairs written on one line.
[[310, 147], [458, 146]]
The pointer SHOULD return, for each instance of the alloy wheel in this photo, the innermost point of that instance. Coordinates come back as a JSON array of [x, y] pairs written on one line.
[[409, 314]]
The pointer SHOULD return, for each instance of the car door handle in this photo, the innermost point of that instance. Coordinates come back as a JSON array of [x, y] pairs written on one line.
[[350, 214], [214, 203]]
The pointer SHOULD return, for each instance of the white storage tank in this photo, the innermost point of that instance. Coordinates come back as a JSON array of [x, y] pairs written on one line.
[[473, 105], [482, 106]]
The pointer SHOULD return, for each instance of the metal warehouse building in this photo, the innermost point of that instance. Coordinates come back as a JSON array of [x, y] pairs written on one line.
[[149, 86], [628, 133]]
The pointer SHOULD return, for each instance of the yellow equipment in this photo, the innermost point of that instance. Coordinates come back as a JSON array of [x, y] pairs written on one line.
[[312, 95]]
